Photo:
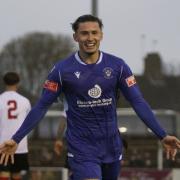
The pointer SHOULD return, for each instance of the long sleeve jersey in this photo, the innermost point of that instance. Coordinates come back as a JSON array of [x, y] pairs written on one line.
[[91, 94]]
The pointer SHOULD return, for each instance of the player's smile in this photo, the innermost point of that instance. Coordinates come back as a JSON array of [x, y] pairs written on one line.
[[90, 45]]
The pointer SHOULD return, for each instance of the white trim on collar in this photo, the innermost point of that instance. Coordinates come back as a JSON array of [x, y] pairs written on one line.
[[81, 62]]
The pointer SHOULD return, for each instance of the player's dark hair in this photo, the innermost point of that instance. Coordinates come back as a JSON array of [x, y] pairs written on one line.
[[86, 18], [11, 78]]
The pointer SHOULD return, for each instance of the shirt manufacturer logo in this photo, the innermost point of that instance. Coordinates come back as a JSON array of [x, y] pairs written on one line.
[[77, 74]]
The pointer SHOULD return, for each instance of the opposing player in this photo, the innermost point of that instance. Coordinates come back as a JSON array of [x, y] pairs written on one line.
[[90, 80], [13, 109]]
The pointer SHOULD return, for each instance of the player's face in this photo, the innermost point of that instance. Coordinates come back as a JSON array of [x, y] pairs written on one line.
[[88, 36]]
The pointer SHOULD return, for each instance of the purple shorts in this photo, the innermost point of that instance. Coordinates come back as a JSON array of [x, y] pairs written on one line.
[[82, 170]]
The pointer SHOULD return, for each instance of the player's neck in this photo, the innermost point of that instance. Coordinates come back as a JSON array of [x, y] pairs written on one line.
[[11, 88], [89, 58]]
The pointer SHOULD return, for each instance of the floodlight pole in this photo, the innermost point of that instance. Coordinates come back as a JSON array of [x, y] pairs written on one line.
[[94, 7]]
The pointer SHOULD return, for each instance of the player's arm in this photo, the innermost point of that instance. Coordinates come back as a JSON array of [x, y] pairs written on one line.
[[132, 93], [51, 90], [58, 144]]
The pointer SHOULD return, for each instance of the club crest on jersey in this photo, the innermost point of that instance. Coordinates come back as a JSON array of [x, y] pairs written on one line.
[[130, 81], [51, 85], [108, 72], [95, 92], [77, 74]]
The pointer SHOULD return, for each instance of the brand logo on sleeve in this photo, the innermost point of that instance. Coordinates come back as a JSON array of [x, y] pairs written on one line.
[[130, 81], [95, 92], [51, 85]]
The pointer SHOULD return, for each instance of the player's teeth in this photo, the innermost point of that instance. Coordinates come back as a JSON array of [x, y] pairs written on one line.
[[90, 45]]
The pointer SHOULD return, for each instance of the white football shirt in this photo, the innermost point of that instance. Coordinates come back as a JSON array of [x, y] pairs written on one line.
[[13, 110]]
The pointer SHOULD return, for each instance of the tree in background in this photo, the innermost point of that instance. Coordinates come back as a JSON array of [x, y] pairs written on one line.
[[32, 56]]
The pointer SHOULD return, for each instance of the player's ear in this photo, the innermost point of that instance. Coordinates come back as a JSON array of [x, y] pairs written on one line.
[[102, 35], [75, 37]]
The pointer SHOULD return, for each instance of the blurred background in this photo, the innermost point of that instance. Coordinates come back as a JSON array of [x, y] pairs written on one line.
[[146, 34]]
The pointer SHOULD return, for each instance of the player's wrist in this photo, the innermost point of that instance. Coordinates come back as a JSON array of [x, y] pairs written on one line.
[[15, 140]]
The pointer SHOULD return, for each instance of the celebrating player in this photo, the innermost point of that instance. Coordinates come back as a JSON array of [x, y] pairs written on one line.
[[90, 80]]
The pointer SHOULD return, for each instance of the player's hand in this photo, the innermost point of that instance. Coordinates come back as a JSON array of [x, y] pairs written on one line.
[[171, 145], [7, 150], [58, 147]]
